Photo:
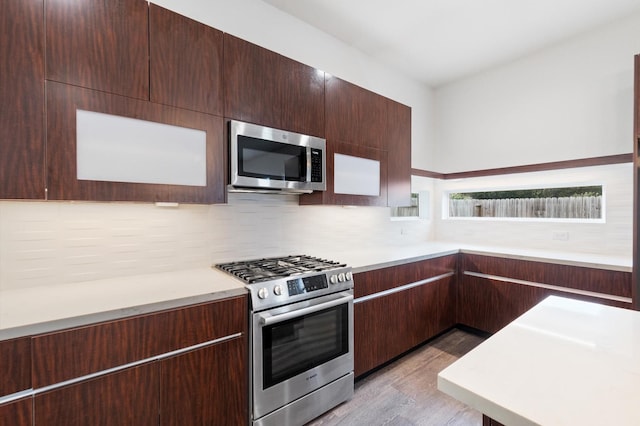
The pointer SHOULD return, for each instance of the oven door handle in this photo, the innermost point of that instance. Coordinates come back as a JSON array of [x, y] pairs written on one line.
[[269, 319]]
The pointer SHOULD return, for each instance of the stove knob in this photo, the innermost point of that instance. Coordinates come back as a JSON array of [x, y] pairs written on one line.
[[341, 277], [349, 276], [277, 290], [263, 293], [334, 279]]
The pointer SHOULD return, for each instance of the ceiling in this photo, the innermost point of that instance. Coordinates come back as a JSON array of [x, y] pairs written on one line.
[[440, 41]]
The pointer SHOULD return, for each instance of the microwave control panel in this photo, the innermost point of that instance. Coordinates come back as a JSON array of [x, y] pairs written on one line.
[[316, 165]]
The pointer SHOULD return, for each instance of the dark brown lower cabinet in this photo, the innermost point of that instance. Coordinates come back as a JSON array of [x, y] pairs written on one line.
[[488, 421], [490, 305], [206, 386], [17, 413], [389, 325], [127, 397], [15, 365], [493, 291]]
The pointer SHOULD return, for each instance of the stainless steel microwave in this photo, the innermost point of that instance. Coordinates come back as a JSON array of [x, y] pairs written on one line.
[[262, 158]]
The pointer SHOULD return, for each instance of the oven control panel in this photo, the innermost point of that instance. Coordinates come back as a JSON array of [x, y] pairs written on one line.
[[292, 289], [307, 284]]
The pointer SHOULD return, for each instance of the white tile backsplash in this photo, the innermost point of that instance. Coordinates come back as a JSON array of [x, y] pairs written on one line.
[[48, 243]]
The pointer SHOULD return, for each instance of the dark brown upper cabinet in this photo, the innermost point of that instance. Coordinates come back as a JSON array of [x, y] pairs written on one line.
[[264, 87], [398, 145], [63, 103], [22, 106], [185, 62], [98, 44], [363, 118], [355, 115]]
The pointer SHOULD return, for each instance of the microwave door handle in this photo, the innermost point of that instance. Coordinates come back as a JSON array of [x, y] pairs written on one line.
[[308, 164], [272, 319]]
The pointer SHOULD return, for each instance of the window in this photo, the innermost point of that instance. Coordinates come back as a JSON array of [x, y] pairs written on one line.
[[583, 202], [419, 208], [412, 210]]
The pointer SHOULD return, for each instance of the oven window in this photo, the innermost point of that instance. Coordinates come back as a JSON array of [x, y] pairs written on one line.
[[266, 159], [294, 346]]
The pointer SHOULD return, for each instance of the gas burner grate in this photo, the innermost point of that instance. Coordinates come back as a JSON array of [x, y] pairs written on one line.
[[259, 270]]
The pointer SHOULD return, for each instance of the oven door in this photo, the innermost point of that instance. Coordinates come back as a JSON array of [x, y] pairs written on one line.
[[299, 348]]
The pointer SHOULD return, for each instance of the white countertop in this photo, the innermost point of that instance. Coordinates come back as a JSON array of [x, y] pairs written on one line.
[[54, 307], [43, 309], [363, 259], [564, 362]]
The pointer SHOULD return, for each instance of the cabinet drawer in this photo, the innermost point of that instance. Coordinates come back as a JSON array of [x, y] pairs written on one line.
[[76, 352], [15, 365], [389, 325], [617, 283], [215, 380], [128, 397], [378, 280], [17, 413]]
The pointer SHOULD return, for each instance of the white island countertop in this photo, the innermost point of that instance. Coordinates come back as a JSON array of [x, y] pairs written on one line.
[[563, 362]]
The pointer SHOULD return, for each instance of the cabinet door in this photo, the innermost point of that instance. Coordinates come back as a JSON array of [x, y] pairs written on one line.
[[22, 106], [128, 397], [252, 91], [185, 62], [103, 45], [355, 115], [303, 98], [207, 386], [15, 365], [387, 326], [17, 413], [63, 101], [398, 145], [330, 196], [490, 305], [68, 354], [266, 88]]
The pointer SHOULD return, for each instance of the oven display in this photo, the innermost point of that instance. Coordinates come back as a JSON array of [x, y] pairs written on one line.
[[305, 285]]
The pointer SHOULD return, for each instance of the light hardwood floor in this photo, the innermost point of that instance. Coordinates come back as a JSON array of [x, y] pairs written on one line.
[[405, 392]]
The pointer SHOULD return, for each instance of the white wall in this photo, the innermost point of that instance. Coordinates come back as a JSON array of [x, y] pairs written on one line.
[[613, 237], [570, 101], [267, 26]]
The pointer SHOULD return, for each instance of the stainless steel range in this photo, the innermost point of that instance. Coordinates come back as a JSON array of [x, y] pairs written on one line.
[[301, 329]]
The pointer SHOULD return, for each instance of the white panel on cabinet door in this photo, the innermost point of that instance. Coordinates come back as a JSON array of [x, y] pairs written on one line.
[[121, 149], [356, 175]]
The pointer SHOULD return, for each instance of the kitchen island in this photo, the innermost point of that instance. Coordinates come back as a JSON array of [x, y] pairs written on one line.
[[563, 362]]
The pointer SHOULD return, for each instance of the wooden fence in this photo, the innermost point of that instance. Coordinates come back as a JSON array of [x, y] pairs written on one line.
[[564, 207]]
